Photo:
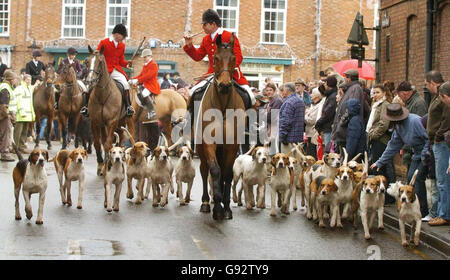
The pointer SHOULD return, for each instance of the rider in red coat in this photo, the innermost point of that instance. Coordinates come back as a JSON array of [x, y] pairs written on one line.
[[212, 26], [149, 78], [114, 53]]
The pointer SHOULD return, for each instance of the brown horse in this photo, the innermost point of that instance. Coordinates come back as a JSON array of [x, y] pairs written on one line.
[[69, 102], [217, 158], [105, 105], [43, 103], [170, 106]]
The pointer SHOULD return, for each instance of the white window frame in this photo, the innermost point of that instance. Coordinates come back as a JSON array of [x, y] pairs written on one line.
[[108, 5], [284, 11], [71, 5], [230, 8], [6, 34]]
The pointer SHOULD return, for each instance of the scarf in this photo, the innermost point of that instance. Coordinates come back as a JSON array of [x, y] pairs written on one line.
[[372, 113]]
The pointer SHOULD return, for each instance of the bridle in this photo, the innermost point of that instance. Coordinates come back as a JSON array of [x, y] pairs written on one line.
[[218, 73], [98, 76]]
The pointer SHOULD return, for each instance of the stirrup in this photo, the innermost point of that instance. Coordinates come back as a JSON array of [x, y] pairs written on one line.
[[56, 106], [130, 111], [84, 111], [151, 115]]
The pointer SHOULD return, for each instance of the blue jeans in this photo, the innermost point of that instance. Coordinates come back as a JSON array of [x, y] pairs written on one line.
[[327, 138], [434, 192], [441, 155], [43, 123], [419, 185]]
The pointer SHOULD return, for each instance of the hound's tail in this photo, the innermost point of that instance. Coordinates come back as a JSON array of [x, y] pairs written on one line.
[[117, 139], [129, 135]]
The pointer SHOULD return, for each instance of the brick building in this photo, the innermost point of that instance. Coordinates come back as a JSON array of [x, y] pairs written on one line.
[[406, 50], [282, 39]]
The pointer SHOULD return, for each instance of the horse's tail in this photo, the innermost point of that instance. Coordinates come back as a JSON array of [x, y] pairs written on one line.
[[71, 124], [128, 134]]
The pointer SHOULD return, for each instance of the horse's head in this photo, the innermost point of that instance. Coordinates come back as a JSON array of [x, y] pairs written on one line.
[[50, 73], [67, 75], [96, 64], [224, 62]]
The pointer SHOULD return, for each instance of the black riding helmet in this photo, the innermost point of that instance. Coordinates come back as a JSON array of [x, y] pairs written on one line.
[[121, 29], [210, 16], [72, 51]]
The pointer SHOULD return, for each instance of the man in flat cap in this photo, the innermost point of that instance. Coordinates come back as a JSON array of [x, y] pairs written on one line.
[[8, 111], [352, 90], [35, 66]]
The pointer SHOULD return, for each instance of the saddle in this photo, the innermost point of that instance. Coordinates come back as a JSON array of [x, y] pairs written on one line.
[[200, 92]]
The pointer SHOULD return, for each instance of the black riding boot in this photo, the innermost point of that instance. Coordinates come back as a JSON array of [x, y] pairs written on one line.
[[130, 109], [84, 108], [148, 104]]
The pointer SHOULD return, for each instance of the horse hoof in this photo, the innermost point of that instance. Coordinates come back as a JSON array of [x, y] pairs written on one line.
[[218, 215], [228, 214], [205, 208]]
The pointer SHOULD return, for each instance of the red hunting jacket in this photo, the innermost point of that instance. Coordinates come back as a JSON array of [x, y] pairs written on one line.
[[208, 47], [115, 57], [149, 77]]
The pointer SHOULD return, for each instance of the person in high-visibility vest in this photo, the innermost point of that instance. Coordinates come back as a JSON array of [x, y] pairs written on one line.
[[7, 113], [25, 112]]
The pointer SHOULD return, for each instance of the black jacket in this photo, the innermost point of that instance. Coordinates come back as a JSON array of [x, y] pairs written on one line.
[[34, 71], [328, 111]]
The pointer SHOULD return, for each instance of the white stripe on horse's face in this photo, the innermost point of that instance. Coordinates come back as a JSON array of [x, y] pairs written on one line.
[[92, 68]]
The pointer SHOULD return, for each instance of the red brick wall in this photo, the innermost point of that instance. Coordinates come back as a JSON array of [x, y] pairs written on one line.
[[416, 11], [166, 20]]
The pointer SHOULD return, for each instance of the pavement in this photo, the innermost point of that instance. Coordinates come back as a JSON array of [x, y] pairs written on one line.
[[178, 232], [436, 237]]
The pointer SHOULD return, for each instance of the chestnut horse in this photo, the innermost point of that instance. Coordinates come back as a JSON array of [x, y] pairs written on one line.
[[170, 106], [105, 105], [43, 103], [70, 101], [217, 158]]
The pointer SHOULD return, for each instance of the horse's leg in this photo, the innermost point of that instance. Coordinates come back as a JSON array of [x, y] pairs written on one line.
[[218, 183], [167, 127], [227, 175], [48, 130], [107, 144], [204, 171], [98, 148], [62, 119], [38, 129], [131, 127]]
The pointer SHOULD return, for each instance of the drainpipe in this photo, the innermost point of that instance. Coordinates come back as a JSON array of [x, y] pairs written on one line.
[[431, 9], [29, 7], [317, 36]]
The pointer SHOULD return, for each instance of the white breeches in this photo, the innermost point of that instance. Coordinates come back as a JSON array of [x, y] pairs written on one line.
[[209, 79], [116, 75], [82, 85], [145, 92]]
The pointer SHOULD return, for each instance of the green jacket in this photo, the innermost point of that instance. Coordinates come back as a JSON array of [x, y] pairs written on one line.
[[379, 129], [416, 105], [25, 110]]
